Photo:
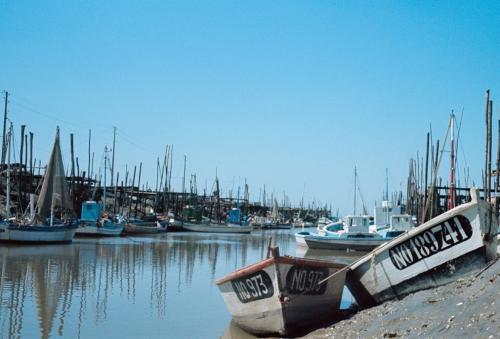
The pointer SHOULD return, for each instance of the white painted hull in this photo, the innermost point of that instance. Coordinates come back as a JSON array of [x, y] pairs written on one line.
[[37, 234], [300, 239], [281, 294], [430, 255], [216, 228], [330, 243]]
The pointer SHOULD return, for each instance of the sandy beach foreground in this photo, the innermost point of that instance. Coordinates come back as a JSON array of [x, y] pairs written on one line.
[[466, 308]]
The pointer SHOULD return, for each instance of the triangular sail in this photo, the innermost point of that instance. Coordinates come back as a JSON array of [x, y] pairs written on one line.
[[54, 192]]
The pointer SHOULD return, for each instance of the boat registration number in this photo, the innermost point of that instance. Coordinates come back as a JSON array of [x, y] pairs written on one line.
[[304, 280], [253, 287], [439, 238]]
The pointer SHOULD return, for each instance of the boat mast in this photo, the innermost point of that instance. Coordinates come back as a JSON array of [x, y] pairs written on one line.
[[452, 165], [7, 198], [218, 199], [4, 127], [387, 221], [355, 178], [105, 169]]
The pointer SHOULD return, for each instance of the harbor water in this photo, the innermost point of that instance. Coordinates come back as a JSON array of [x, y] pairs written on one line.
[[127, 287]]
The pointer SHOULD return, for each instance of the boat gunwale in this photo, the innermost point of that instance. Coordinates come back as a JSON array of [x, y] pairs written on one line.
[[279, 260]]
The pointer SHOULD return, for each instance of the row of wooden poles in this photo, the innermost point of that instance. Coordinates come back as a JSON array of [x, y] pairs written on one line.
[[428, 195]]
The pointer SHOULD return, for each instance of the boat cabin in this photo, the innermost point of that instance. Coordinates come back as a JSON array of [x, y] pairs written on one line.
[[91, 211], [401, 222], [357, 223]]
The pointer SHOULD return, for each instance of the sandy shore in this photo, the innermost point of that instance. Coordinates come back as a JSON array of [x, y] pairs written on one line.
[[468, 308]]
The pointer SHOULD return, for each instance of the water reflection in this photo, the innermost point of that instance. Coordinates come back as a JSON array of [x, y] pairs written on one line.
[[134, 286]]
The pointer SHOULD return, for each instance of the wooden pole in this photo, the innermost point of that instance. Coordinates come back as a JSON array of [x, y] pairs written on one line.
[[20, 182], [72, 167], [21, 152], [31, 152], [26, 151], [426, 166], [485, 186]]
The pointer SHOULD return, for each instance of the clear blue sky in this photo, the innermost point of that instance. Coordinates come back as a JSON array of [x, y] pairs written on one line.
[[290, 94]]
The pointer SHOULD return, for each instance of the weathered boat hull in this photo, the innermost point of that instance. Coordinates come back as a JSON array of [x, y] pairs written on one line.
[[107, 230], [144, 228], [279, 295], [435, 253], [38, 234], [215, 228]]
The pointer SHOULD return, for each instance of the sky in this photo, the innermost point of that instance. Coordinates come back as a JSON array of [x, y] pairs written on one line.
[[287, 94]]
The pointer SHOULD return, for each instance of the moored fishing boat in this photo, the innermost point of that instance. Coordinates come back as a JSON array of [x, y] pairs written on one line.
[[93, 224], [216, 228], [282, 293], [353, 234], [93, 221], [434, 253], [148, 225], [53, 220]]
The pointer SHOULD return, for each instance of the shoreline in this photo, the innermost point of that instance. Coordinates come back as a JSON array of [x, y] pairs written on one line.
[[467, 307]]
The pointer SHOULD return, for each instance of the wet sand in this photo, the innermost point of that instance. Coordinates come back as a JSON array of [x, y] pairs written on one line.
[[467, 308]]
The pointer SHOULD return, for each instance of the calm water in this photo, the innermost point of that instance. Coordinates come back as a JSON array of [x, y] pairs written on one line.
[[129, 287]]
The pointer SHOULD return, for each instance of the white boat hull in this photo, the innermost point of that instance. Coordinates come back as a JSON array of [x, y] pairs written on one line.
[[430, 255], [300, 239], [281, 294], [330, 243]]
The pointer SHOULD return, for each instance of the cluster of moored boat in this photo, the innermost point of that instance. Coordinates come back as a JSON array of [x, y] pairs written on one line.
[[281, 293], [52, 219]]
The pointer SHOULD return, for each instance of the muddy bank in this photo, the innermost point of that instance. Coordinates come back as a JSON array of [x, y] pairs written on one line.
[[468, 307]]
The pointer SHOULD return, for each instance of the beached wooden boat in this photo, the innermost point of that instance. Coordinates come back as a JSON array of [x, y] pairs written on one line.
[[434, 253], [282, 293]]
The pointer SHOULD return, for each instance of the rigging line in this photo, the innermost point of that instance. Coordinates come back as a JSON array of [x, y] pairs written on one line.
[[142, 146], [32, 110], [102, 128], [32, 107]]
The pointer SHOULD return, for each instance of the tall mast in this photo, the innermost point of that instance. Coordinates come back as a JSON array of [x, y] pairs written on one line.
[[184, 177], [113, 156], [7, 198], [386, 184], [4, 127], [355, 178], [218, 198], [452, 164], [105, 170]]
